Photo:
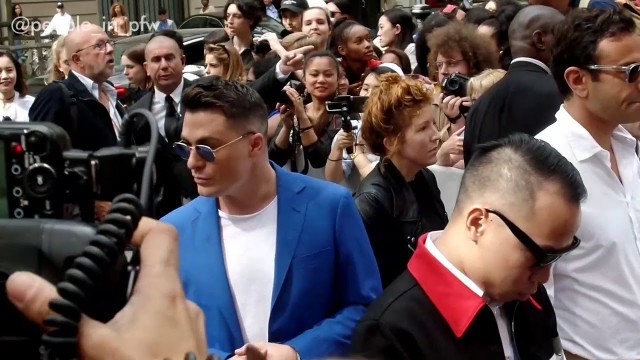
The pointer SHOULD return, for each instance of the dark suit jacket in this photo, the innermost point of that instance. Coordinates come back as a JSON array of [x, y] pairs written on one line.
[[428, 313], [525, 100], [92, 129], [173, 177]]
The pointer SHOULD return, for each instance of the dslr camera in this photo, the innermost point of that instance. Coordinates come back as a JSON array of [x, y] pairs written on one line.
[[456, 85]]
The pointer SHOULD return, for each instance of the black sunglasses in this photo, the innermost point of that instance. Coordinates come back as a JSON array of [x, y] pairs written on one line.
[[542, 256], [205, 152], [632, 71]]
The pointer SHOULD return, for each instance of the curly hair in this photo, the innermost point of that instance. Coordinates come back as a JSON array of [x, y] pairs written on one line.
[[461, 37], [398, 100]]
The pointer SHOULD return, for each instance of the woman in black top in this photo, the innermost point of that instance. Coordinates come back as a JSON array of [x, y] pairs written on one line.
[[399, 200]]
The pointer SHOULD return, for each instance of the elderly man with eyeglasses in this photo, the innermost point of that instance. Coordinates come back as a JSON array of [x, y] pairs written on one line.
[[85, 105], [475, 290]]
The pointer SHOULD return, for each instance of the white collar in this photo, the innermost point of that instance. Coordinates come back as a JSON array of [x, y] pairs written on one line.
[[533, 61], [431, 247], [582, 142], [176, 94]]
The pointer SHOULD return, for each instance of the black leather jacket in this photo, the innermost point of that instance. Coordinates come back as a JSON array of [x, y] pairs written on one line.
[[396, 213]]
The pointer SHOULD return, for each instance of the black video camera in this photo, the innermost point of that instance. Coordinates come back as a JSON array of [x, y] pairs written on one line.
[[347, 107], [41, 177], [456, 85]]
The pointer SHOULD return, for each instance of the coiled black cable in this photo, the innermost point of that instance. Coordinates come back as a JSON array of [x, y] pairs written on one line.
[[88, 271]]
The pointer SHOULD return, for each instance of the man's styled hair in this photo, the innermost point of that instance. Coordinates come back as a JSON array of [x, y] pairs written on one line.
[[240, 104], [577, 39], [250, 9], [514, 169]]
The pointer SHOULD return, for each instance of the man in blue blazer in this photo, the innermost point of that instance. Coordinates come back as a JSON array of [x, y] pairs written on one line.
[[276, 260]]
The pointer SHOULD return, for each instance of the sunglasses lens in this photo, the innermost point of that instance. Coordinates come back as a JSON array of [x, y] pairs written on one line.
[[634, 73], [182, 150], [205, 153]]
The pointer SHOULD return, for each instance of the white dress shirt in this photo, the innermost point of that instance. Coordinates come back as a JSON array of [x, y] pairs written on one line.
[[61, 23], [596, 288], [501, 319], [159, 109], [94, 89], [18, 109]]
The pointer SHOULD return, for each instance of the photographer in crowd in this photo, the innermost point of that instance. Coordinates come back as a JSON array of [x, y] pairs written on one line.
[[457, 52], [399, 200], [304, 140], [352, 168]]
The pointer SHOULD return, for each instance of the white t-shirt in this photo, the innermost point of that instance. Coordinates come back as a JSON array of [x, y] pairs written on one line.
[[249, 245], [60, 23]]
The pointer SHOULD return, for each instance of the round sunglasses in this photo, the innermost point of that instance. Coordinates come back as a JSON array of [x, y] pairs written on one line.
[[205, 152]]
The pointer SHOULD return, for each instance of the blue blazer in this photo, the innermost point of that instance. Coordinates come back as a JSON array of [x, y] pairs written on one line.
[[325, 271]]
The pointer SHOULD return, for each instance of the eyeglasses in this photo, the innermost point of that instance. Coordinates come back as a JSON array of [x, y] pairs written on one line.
[[449, 63], [632, 71], [205, 152], [101, 45], [542, 256]]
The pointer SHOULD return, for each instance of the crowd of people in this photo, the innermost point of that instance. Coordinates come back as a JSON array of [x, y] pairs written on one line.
[[308, 233]]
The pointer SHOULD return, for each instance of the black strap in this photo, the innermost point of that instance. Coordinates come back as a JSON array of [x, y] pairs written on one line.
[[71, 103]]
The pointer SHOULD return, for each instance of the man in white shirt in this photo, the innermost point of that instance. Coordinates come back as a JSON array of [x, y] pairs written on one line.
[[61, 23], [206, 8], [596, 289]]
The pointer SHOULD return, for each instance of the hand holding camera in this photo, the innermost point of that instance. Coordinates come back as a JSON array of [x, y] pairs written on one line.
[[454, 101]]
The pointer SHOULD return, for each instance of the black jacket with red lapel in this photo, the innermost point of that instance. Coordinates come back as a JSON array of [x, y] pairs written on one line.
[[428, 313]]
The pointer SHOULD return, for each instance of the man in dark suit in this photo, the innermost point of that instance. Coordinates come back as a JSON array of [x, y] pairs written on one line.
[[89, 112], [527, 98], [475, 290]]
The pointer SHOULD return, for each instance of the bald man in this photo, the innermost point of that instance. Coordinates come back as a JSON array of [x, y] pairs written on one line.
[[475, 290], [85, 105], [527, 98]]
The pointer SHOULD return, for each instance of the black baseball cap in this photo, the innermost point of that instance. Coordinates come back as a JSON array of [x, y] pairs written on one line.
[[60, 5], [296, 6]]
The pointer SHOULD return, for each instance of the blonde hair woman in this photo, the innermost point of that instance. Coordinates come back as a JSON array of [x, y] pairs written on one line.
[[59, 62], [224, 61], [482, 82]]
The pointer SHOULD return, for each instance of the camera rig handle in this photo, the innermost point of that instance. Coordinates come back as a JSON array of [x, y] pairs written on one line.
[[90, 272]]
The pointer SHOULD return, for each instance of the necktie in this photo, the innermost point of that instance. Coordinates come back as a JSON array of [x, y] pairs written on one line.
[[171, 120]]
